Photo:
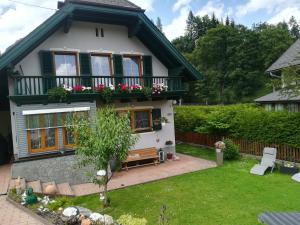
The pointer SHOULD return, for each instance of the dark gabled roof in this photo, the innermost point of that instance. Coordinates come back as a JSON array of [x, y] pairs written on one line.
[[109, 3], [290, 57], [277, 96], [137, 22]]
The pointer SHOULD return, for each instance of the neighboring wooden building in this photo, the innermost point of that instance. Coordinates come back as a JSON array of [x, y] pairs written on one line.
[[276, 101], [96, 44]]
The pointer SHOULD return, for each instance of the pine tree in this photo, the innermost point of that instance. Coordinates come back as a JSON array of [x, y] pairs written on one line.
[[214, 21], [159, 24], [232, 23], [190, 24], [294, 27], [227, 21]]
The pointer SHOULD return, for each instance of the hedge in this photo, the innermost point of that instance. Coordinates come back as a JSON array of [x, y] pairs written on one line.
[[244, 121]]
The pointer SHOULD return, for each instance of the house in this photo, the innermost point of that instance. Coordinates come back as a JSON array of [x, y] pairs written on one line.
[[87, 46], [276, 100]]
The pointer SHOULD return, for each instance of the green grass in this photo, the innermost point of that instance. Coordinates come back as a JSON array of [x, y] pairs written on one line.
[[226, 195], [200, 152]]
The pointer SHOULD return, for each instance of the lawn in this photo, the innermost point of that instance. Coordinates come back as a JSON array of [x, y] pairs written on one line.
[[226, 195]]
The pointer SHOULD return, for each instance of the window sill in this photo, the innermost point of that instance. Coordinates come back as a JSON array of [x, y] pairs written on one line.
[[45, 155]]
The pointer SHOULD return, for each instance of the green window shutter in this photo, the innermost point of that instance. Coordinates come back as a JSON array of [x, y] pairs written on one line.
[[147, 70], [85, 64], [147, 65], [118, 67], [46, 61], [47, 70], [85, 69], [156, 119]]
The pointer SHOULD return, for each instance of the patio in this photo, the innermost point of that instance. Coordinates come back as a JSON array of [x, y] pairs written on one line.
[[185, 164]]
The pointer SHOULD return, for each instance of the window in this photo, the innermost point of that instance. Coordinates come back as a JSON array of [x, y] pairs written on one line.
[[293, 107], [42, 134], [68, 135], [65, 65], [132, 67], [279, 107], [101, 66], [268, 107], [140, 120]]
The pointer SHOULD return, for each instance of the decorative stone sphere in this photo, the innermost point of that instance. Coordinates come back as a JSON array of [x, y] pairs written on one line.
[[50, 190], [220, 145]]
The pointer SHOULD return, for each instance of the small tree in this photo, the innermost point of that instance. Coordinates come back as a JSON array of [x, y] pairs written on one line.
[[98, 140]]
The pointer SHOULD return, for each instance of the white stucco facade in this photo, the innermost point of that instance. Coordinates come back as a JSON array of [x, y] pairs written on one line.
[[157, 138], [82, 38]]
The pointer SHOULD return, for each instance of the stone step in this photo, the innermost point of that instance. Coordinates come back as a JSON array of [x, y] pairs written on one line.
[[36, 186], [44, 185], [65, 189]]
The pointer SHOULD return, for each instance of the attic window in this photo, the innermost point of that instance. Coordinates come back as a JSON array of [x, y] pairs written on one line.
[[99, 34]]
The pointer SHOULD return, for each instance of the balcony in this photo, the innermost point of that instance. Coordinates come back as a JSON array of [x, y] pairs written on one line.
[[36, 89]]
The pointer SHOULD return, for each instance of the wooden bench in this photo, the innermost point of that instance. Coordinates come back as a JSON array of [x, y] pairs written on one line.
[[141, 155]]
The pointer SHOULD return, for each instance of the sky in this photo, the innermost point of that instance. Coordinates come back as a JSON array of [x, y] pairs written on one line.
[[17, 20]]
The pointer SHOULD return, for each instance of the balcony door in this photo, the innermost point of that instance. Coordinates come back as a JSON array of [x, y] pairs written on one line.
[[132, 68], [102, 69], [66, 65]]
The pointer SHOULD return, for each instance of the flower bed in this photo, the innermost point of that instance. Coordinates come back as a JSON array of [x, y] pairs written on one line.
[[60, 210], [106, 92]]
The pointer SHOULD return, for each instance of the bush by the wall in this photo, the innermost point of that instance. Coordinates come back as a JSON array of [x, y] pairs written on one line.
[[244, 121], [231, 151]]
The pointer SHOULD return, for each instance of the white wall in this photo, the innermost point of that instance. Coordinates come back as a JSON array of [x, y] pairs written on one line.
[[82, 38], [155, 138]]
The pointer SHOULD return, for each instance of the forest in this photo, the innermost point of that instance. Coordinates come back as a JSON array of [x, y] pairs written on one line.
[[232, 58]]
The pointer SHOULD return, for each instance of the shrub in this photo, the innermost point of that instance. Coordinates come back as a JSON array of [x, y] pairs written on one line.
[[231, 151], [59, 202], [129, 220], [242, 121], [57, 94]]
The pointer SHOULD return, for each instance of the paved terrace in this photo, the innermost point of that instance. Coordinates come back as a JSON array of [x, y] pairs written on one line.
[[145, 174]]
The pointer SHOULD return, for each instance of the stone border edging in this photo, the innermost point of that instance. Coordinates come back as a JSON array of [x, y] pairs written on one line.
[[28, 211]]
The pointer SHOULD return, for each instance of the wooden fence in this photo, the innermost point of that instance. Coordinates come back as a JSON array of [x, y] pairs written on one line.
[[284, 152]]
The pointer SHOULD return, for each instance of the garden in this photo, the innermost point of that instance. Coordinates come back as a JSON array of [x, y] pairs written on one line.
[[226, 195]]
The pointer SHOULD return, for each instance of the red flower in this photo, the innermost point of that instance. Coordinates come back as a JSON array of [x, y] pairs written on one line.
[[123, 87], [77, 88], [100, 87]]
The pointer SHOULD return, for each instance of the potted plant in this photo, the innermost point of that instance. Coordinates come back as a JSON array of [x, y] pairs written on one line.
[[164, 120], [169, 149]]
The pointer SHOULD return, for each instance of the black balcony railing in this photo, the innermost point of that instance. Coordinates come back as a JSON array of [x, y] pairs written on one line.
[[39, 85]]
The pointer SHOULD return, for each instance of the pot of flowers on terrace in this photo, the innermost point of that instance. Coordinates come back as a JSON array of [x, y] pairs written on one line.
[[170, 150], [220, 146]]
